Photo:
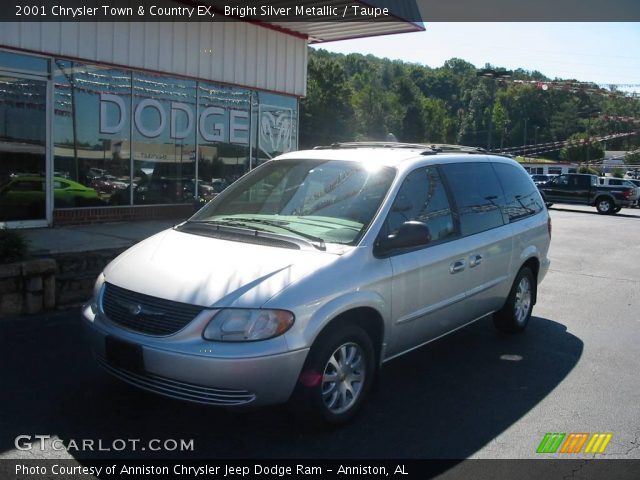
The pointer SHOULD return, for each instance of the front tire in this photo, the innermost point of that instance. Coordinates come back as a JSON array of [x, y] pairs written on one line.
[[514, 316], [337, 375]]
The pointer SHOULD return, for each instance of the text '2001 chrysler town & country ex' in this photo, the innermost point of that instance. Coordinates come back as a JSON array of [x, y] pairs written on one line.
[[302, 278]]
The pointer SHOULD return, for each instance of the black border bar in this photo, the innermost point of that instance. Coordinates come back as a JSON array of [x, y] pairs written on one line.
[[549, 469], [281, 11]]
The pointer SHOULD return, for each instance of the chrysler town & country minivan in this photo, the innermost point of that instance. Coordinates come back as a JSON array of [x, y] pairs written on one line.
[[301, 279]]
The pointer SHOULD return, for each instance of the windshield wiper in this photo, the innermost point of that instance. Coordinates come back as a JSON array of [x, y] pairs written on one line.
[[230, 223], [317, 242]]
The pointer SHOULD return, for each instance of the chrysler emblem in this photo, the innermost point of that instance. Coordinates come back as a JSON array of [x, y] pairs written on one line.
[[135, 309]]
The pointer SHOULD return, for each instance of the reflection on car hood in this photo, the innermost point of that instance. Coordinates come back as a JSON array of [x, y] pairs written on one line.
[[211, 272]]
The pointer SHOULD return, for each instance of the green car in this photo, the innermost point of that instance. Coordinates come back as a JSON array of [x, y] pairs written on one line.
[[23, 198]]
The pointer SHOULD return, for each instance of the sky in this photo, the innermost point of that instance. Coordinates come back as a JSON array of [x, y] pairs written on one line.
[[604, 53]]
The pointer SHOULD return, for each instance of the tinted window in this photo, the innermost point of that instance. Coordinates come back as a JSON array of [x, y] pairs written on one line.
[[478, 196], [422, 197], [521, 195], [581, 181]]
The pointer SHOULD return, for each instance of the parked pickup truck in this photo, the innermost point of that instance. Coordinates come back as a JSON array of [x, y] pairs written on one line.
[[612, 181], [585, 190]]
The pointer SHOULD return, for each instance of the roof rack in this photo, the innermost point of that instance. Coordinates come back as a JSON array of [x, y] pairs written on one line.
[[371, 145], [427, 148]]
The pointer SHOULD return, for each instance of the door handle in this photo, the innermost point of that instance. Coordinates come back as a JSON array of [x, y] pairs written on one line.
[[475, 260], [456, 266]]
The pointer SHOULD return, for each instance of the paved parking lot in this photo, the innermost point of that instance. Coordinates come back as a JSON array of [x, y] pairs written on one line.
[[473, 394]]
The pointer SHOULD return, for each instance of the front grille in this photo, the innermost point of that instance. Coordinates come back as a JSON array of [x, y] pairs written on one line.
[[180, 390], [146, 314]]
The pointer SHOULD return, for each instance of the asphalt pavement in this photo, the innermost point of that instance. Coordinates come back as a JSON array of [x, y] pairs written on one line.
[[472, 394]]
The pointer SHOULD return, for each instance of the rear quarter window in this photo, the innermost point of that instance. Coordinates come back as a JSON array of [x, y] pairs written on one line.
[[477, 194], [522, 198]]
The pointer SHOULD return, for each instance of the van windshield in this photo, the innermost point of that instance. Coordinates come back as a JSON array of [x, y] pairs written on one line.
[[328, 201]]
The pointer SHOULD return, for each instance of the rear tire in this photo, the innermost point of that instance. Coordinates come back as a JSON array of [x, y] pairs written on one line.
[[604, 206], [337, 375], [514, 316]]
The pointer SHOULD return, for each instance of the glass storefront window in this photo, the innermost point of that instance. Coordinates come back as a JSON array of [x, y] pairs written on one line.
[[16, 62], [276, 122], [223, 136], [91, 134], [136, 138], [164, 116], [22, 148]]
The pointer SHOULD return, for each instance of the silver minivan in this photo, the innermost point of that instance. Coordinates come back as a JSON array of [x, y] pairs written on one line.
[[301, 279]]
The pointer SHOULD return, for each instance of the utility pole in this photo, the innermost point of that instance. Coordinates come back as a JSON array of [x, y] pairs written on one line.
[[494, 75], [589, 112], [524, 153]]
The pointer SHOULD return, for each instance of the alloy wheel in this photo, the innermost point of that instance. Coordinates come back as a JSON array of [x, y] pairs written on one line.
[[343, 378], [523, 300]]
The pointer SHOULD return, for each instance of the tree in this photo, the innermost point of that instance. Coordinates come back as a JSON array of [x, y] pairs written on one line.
[[358, 97], [632, 158], [577, 152], [326, 114], [413, 125], [618, 173]]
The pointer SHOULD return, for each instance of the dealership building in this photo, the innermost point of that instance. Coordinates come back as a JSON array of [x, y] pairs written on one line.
[[106, 121]]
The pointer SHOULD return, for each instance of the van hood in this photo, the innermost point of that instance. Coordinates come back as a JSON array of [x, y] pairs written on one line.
[[211, 272]]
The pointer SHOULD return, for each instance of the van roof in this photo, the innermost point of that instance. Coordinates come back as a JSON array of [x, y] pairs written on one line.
[[386, 153]]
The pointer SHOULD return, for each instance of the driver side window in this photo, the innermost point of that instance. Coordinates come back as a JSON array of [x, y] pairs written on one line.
[[423, 198]]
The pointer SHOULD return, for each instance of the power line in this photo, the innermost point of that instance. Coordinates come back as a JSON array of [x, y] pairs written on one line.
[[534, 150]]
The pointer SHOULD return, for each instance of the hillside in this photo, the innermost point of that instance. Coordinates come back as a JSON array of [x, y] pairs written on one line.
[[357, 97]]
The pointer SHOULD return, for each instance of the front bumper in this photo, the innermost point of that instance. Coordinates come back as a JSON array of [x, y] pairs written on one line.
[[202, 377]]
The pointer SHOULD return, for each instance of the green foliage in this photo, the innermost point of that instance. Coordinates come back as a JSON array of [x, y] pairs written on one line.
[[326, 114], [632, 158], [589, 170], [618, 173], [358, 97], [582, 151], [13, 246]]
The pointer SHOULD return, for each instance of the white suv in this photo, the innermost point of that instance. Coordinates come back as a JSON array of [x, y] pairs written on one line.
[[306, 275]]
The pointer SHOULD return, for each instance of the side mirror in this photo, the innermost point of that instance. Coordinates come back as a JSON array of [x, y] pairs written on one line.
[[410, 234]]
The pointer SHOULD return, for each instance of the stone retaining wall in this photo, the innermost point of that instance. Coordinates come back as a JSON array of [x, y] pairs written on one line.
[[77, 274], [28, 287], [41, 284]]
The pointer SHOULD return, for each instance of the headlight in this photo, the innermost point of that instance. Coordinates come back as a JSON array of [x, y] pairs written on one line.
[[91, 308], [246, 325]]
